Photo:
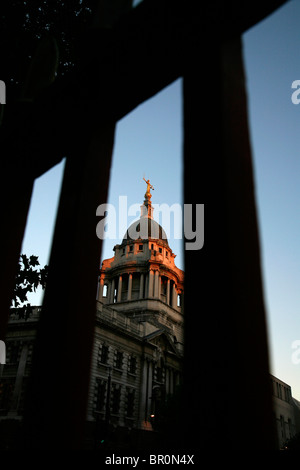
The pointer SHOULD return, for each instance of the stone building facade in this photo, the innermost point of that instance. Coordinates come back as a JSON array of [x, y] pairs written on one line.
[[15, 373], [137, 358], [286, 410]]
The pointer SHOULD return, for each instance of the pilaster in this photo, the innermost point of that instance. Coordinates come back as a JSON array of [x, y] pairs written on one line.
[[129, 286], [119, 288]]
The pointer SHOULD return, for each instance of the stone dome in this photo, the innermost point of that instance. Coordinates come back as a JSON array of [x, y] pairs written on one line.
[[145, 228]]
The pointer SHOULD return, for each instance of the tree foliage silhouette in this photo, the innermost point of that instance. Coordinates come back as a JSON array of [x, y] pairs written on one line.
[[29, 277], [23, 24]]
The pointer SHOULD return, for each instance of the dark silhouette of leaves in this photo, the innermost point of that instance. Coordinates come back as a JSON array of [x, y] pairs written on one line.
[[28, 279], [24, 25]]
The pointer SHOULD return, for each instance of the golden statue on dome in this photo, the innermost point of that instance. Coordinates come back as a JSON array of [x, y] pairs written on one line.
[[149, 186]]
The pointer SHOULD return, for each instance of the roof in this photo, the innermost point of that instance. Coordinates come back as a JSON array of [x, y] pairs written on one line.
[[145, 228]]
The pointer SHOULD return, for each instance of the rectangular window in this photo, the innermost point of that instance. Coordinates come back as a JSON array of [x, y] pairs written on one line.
[[100, 394], [119, 360], [116, 396], [282, 427], [130, 395], [131, 248], [140, 247], [103, 354], [132, 363]]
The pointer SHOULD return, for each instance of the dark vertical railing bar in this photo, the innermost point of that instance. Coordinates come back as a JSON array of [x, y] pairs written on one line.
[[226, 354], [56, 401], [251, 355]]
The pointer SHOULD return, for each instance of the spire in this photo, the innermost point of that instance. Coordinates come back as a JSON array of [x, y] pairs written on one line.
[[146, 208]]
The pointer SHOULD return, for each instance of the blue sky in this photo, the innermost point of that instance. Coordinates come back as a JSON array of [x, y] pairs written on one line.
[[149, 143]]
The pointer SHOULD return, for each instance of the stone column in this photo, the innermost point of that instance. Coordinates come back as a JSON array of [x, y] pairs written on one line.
[[167, 380], [168, 292], [159, 286], [151, 275], [156, 282], [141, 285], [171, 381], [147, 285], [143, 394], [146, 395], [174, 296], [108, 291], [111, 291], [101, 284], [129, 286], [149, 391], [120, 288]]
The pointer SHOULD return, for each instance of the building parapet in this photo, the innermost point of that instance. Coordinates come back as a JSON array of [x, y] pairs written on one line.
[[26, 315], [118, 319], [149, 304]]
